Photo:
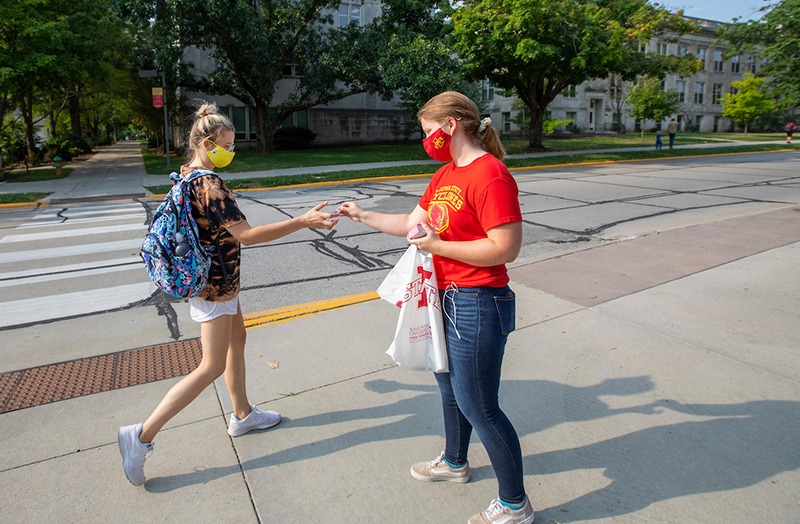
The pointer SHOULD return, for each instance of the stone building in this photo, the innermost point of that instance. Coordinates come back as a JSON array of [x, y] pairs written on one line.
[[591, 108], [367, 118], [357, 118]]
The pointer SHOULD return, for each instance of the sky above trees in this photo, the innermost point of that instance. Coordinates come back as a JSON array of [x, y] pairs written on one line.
[[719, 10]]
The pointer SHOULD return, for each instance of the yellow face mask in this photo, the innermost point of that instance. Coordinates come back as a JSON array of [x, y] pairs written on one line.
[[219, 156]]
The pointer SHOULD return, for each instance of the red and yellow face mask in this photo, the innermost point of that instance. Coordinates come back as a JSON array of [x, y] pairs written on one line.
[[437, 145]]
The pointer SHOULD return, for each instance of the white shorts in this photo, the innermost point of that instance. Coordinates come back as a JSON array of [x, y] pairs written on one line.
[[203, 310]]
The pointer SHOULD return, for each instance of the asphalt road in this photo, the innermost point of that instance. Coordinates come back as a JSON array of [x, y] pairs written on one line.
[[73, 285]]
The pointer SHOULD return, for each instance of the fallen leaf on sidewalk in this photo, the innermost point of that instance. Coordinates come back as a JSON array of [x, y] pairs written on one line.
[[273, 365]]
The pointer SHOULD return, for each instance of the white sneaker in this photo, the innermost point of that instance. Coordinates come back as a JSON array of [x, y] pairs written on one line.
[[134, 453], [499, 513], [257, 419], [438, 469]]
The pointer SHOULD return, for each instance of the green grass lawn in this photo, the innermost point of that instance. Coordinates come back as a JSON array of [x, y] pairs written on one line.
[[19, 198], [250, 161], [37, 175], [749, 137], [277, 181]]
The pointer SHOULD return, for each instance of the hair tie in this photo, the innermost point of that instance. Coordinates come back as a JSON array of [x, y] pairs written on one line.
[[486, 122]]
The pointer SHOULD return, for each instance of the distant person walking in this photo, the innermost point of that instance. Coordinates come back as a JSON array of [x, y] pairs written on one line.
[[222, 332], [471, 214], [672, 128], [658, 139], [789, 128]]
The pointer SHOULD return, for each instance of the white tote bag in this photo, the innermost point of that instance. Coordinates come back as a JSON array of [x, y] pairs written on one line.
[[419, 338]]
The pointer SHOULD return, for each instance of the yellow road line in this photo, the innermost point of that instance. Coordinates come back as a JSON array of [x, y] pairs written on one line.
[[601, 162], [273, 316], [24, 204]]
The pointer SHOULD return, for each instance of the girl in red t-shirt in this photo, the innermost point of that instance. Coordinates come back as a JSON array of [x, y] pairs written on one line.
[[471, 216]]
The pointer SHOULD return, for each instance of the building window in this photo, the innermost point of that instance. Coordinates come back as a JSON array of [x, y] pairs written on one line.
[[239, 123], [701, 55], [573, 117], [734, 90], [716, 123], [752, 65], [699, 123], [716, 94], [506, 122], [735, 64], [349, 14], [718, 61], [661, 49], [683, 50], [569, 92], [680, 87], [292, 70], [699, 87], [487, 91]]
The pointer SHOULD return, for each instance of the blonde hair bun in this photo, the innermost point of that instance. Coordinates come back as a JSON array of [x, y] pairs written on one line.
[[207, 109]]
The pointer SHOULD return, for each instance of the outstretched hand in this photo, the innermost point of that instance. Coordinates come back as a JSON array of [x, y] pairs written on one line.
[[351, 211], [315, 219]]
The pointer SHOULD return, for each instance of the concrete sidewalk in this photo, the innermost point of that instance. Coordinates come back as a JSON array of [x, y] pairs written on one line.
[[116, 170], [648, 384]]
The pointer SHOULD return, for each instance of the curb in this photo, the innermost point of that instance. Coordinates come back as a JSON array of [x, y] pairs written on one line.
[[549, 166], [36, 204]]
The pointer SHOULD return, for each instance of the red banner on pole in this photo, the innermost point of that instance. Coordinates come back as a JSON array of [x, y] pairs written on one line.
[[158, 98]]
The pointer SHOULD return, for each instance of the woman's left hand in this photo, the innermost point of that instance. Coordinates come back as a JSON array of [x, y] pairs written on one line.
[[427, 243], [315, 219]]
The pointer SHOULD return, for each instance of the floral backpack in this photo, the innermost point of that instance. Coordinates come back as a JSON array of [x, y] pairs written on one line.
[[175, 260]]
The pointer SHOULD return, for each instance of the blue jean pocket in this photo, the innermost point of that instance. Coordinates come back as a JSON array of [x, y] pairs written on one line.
[[507, 311]]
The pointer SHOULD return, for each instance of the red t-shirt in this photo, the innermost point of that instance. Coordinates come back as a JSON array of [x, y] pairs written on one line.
[[464, 203]]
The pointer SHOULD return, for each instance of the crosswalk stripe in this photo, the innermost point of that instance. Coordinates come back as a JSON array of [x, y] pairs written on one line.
[[59, 220], [56, 210], [69, 268], [53, 307], [31, 237], [61, 276], [68, 251], [72, 213]]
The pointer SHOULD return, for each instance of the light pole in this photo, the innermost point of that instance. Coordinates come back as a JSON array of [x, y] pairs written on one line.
[[149, 73]]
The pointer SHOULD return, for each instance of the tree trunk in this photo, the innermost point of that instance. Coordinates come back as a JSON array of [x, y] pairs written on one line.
[[265, 130], [75, 113], [26, 107], [537, 121]]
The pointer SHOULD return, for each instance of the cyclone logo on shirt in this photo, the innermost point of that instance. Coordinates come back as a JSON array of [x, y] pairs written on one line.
[[438, 217]]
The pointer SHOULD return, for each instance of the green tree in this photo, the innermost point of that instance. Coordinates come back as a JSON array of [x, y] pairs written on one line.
[[255, 44], [618, 90], [538, 47], [417, 63], [650, 101], [48, 49], [749, 102], [775, 38]]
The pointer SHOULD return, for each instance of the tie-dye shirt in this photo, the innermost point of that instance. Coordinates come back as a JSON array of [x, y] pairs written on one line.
[[214, 208]]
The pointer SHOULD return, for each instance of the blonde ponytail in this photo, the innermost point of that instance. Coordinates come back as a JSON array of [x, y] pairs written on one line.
[[492, 143], [459, 106]]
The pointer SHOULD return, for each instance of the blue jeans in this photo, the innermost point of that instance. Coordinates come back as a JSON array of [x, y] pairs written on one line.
[[477, 322]]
